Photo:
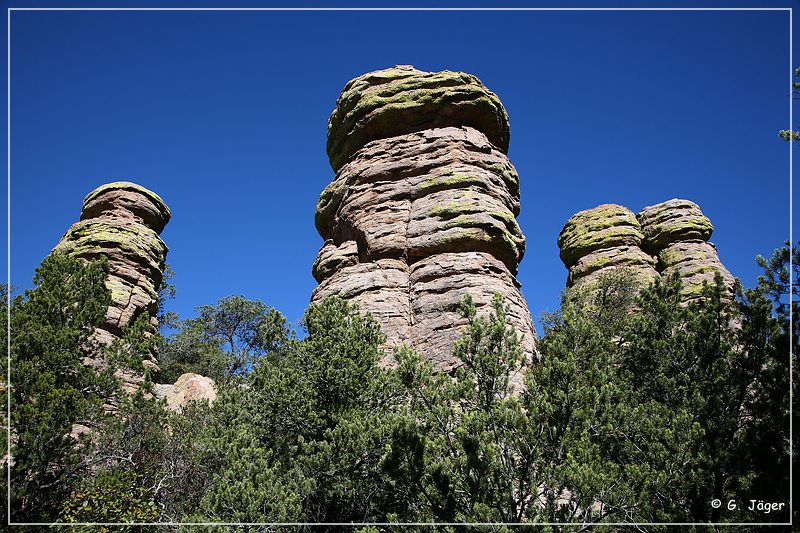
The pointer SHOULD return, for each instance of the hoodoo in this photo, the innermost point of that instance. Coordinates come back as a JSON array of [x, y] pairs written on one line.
[[122, 221], [677, 233], [662, 239], [600, 239], [422, 209]]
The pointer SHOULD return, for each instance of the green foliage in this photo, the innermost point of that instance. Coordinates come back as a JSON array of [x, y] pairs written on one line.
[[461, 452], [237, 477], [159, 454], [137, 342], [191, 350], [301, 440], [768, 340], [51, 389], [353, 402], [166, 292], [5, 296], [225, 340], [684, 360], [638, 408], [717, 363], [603, 455], [110, 497], [789, 135]]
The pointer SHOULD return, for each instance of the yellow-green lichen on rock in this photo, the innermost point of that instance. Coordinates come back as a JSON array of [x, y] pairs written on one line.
[[604, 226], [121, 221], [672, 241], [621, 256], [672, 221], [402, 100], [327, 205], [127, 200], [136, 244], [696, 262], [422, 209]]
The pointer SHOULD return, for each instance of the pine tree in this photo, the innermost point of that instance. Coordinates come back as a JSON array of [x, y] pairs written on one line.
[[463, 452], [51, 390], [227, 339], [301, 437]]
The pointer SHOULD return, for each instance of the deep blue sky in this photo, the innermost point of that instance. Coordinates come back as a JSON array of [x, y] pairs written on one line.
[[224, 115]]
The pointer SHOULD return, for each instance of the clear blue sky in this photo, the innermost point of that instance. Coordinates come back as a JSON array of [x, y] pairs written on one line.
[[224, 115]]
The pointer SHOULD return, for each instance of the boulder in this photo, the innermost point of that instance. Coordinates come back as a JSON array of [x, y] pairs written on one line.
[[677, 231], [673, 221], [663, 239], [402, 99], [188, 387]]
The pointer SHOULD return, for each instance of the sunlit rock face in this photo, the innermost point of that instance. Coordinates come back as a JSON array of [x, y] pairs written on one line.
[[187, 388], [661, 240], [677, 233], [122, 222], [422, 209], [598, 240]]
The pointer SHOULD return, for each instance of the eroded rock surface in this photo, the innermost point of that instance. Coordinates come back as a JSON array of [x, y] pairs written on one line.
[[422, 209], [122, 221], [676, 232], [401, 100], [595, 241], [662, 239]]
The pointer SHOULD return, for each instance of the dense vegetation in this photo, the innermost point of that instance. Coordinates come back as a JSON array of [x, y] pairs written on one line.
[[642, 416]]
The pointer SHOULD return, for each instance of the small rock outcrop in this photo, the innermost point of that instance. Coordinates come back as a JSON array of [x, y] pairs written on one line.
[[662, 239], [422, 209], [677, 233], [122, 221], [601, 239], [188, 387]]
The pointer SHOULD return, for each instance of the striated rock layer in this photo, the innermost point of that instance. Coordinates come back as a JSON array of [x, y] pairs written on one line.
[[663, 239], [676, 232], [401, 100], [422, 209], [122, 221], [598, 240]]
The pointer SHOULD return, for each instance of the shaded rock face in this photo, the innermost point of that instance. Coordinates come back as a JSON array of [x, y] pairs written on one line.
[[188, 387], [665, 238], [422, 209], [122, 221]]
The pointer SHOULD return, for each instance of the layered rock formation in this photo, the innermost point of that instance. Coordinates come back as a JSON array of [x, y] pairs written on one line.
[[663, 239], [598, 240], [422, 209], [122, 221], [677, 232]]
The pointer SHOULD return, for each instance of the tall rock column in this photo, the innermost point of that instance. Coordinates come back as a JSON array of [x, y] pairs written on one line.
[[595, 241], [122, 221], [422, 209], [677, 233]]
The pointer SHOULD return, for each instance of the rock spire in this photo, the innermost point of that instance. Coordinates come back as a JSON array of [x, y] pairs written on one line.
[[601, 239], [422, 209], [122, 221], [677, 233]]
